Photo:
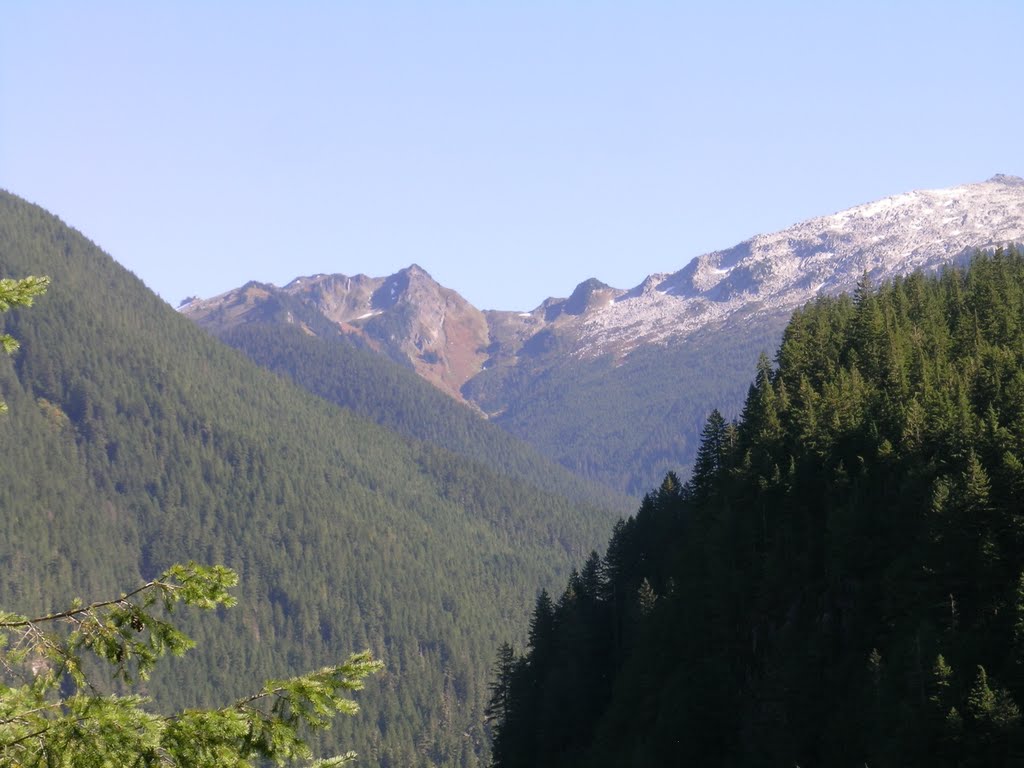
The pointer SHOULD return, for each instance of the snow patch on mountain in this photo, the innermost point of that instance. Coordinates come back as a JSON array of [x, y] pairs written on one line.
[[779, 272]]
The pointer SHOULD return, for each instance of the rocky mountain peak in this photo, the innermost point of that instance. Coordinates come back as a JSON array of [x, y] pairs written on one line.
[[415, 270], [1002, 178], [588, 295], [413, 319]]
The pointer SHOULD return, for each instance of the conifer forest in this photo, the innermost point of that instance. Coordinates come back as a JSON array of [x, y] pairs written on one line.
[[210, 547], [841, 580]]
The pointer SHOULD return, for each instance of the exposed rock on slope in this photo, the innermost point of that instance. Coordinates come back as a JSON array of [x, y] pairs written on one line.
[[448, 341], [612, 347], [407, 315]]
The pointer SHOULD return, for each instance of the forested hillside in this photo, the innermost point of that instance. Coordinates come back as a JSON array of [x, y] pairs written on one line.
[[546, 404], [393, 396], [135, 440], [841, 581], [595, 416]]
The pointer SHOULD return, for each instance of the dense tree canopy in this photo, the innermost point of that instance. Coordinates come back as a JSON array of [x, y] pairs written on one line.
[[53, 714], [636, 419], [332, 367], [135, 441], [840, 582]]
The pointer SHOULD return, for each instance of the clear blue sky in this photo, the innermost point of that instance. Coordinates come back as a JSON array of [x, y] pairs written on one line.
[[511, 149]]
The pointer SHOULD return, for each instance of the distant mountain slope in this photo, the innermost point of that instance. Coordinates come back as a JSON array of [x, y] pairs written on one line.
[[395, 397], [564, 375], [135, 439]]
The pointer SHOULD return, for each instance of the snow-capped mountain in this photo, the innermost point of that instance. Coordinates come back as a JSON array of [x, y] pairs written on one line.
[[783, 270], [558, 375]]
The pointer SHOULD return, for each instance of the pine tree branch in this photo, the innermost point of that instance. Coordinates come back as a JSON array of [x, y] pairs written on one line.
[[72, 612]]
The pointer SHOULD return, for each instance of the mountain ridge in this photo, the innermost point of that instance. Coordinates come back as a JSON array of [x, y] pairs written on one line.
[[922, 229], [785, 269], [508, 364]]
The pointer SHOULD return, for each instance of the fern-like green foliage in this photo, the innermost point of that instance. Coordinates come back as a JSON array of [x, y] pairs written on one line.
[[53, 713], [17, 293]]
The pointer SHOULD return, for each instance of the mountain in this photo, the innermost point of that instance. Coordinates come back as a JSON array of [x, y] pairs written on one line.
[[612, 383], [134, 440], [366, 383], [779, 272], [407, 316]]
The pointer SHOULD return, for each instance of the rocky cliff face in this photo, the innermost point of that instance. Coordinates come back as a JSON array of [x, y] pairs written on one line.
[[414, 320], [407, 316]]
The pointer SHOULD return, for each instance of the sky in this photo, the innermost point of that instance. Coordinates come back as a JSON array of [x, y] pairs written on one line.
[[511, 149]]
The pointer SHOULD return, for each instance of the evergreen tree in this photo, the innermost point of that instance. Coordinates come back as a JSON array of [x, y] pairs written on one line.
[[499, 707], [53, 712], [18, 293], [837, 561], [710, 456]]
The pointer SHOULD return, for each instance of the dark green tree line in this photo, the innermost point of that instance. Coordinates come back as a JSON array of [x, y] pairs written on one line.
[[839, 581]]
